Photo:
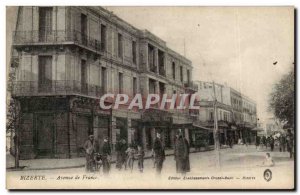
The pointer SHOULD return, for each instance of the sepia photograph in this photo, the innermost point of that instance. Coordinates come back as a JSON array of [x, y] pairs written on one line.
[[150, 97]]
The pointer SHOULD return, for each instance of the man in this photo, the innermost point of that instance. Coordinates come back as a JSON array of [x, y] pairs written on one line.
[[181, 154], [257, 141], [106, 152], [290, 143], [159, 153], [272, 142], [89, 152], [121, 147], [282, 141]]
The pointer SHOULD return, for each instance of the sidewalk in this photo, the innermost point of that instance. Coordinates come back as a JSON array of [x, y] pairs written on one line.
[[48, 164]]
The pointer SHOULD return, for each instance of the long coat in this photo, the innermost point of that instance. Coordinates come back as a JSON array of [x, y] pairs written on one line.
[[159, 154], [182, 155]]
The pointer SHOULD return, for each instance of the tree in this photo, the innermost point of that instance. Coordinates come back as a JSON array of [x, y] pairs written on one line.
[[282, 100], [13, 116]]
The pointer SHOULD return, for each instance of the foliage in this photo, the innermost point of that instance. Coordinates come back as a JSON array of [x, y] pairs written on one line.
[[282, 99]]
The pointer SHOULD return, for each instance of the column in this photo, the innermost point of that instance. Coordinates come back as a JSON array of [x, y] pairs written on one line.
[[156, 58], [186, 133], [129, 131], [225, 136], [144, 137], [113, 131]]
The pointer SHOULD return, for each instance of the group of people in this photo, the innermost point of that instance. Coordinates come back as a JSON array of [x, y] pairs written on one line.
[[126, 155], [96, 159], [285, 142]]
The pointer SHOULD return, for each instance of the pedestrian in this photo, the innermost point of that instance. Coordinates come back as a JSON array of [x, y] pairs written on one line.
[[153, 158], [159, 153], [257, 141], [121, 148], [130, 156], [89, 153], [264, 141], [268, 142], [140, 157], [290, 143], [272, 142], [181, 154], [282, 141], [106, 153]]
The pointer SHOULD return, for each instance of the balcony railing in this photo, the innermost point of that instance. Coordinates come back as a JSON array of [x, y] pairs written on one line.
[[57, 87], [57, 37], [153, 68], [191, 85], [162, 71]]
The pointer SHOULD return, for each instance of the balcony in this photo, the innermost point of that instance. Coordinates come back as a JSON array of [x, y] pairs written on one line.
[[58, 87], [57, 37], [162, 71], [190, 85], [153, 69]]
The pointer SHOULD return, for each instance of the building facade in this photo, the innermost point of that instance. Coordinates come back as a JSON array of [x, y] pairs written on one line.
[[66, 58], [236, 113]]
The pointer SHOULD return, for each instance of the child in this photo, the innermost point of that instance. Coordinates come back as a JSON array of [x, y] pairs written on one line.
[[268, 162], [140, 157], [130, 154]]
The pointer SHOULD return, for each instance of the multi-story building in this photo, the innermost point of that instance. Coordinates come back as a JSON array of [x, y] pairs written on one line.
[[236, 113], [249, 118], [207, 93], [67, 57]]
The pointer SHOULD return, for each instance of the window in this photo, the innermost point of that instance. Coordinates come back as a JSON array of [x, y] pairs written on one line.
[[188, 75], [104, 79], [103, 37], [161, 62], [120, 45], [83, 76], [181, 74], [45, 23], [120, 82], [45, 73], [83, 23], [175, 105], [225, 116], [173, 70], [152, 88], [211, 115], [151, 58], [134, 86], [134, 52]]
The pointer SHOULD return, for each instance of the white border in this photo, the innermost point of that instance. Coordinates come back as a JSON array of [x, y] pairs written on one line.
[[5, 3]]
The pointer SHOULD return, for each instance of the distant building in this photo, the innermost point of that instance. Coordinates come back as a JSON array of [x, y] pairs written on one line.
[[236, 113]]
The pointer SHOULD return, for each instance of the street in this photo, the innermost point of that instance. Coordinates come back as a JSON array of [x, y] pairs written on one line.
[[238, 164]]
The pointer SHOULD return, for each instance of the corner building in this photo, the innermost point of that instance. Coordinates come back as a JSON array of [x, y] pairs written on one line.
[[66, 58]]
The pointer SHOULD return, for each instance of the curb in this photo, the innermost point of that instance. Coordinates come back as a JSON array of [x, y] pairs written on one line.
[[83, 165]]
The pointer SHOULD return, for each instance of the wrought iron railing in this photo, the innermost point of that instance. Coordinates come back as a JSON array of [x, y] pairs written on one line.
[[153, 68], [191, 85], [56, 87], [162, 71], [57, 36]]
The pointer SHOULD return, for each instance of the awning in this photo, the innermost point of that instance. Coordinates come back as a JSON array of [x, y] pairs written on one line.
[[257, 129], [202, 127]]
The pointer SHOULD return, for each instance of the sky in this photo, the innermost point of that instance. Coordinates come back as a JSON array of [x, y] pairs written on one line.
[[236, 46], [229, 45]]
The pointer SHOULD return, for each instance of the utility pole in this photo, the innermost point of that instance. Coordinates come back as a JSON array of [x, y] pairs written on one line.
[[216, 131]]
